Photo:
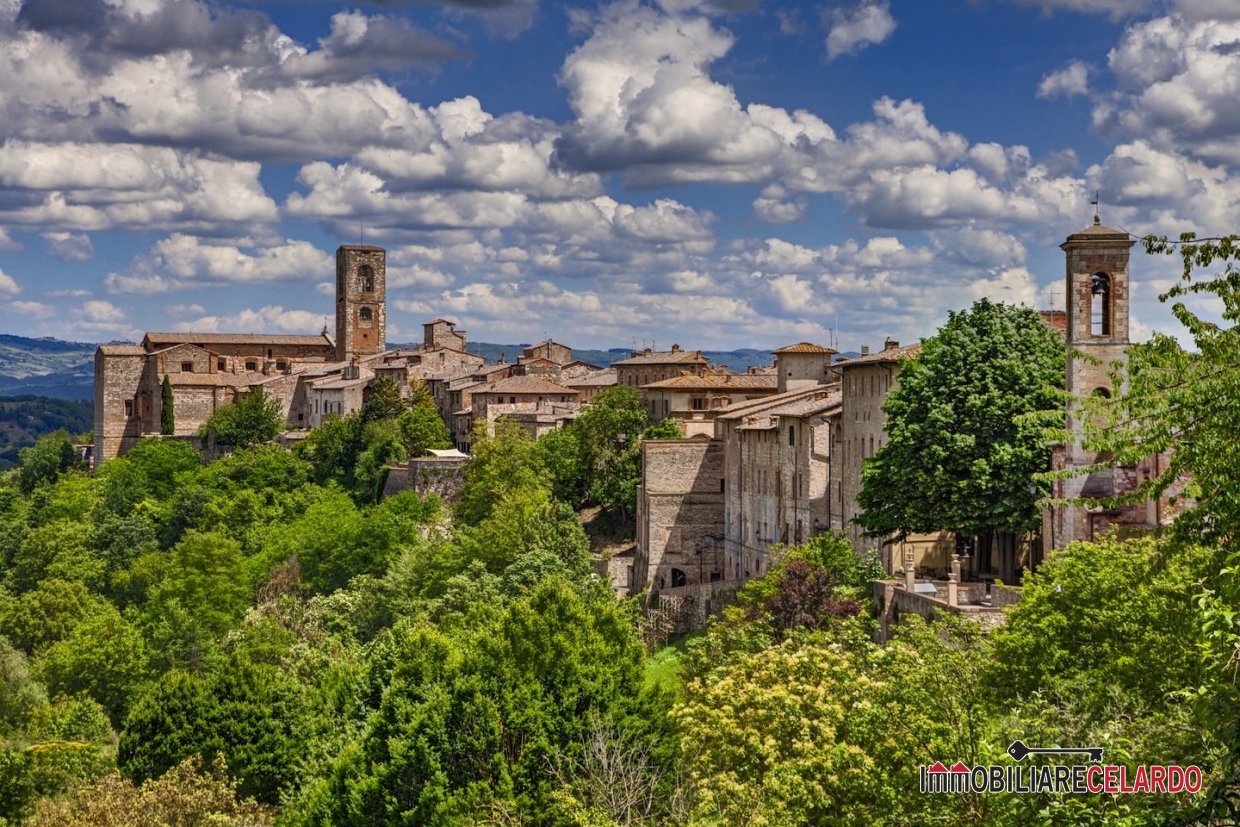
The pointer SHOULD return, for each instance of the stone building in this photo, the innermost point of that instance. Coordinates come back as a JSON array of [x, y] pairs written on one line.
[[693, 399], [711, 508], [536, 404], [654, 366], [1097, 338], [207, 370]]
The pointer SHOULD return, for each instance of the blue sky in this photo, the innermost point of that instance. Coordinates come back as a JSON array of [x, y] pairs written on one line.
[[722, 174]]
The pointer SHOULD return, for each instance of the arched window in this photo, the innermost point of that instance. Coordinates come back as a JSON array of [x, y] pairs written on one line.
[[1103, 392], [1100, 305], [365, 315], [366, 278], [679, 579]]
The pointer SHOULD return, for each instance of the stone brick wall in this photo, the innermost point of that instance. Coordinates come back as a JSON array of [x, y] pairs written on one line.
[[118, 380], [679, 514], [442, 477], [354, 334]]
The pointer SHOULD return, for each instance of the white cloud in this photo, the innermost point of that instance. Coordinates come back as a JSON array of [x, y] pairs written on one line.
[[185, 310], [1112, 8], [71, 246], [851, 29], [181, 261], [7, 242], [1071, 80], [35, 310], [8, 286], [269, 318], [97, 310]]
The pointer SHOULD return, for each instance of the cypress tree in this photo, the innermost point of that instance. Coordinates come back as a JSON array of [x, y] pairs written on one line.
[[167, 416]]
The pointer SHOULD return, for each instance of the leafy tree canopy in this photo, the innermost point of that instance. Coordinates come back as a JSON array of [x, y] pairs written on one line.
[[254, 418], [962, 450]]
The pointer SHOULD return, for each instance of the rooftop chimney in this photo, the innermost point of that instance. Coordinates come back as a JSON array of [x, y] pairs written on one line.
[[675, 348], [890, 344], [865, 350]]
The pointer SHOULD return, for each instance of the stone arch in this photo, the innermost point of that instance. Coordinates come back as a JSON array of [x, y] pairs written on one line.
[[1100, 301]]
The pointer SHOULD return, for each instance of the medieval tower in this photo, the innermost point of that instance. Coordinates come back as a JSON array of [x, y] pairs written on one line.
[[1098, 297], [361, 301]]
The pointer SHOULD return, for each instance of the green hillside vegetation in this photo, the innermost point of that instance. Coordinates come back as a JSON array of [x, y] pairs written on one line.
[[23, 419]]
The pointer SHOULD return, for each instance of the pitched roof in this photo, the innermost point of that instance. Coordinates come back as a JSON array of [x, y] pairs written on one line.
[[805, 347], [525, 384], [891, 354], [750, 407], [157, 339], [600, 378], [662, 357], [118, 349], [717, 381]]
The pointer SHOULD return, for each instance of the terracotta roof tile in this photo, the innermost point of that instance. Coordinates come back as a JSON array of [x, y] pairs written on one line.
[[525, 384], [157, 339], [663, 357], [894, 354], [716, 381], [805, 347]]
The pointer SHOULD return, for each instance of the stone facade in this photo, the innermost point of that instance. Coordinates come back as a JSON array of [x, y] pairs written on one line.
[[679, 514], [1097, 337], [361, 301], [654, 366], [693, 399]]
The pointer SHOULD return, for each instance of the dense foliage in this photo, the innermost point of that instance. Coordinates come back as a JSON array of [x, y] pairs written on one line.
[[963, 448], [23, 419], [253, 418]]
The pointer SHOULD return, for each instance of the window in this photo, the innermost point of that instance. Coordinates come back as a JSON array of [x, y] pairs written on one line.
[[365, 316], [220, 364], [366, 279], [679, 579], [1100, 305], [792, 434], [251, 365], [128, 407], [699, 404], [187, 367]]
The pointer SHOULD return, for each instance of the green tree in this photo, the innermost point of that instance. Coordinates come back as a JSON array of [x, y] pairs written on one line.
[[104, 656], [44, 461], [167, 411], [187, 794], [251, 715], [503, 463], [422, 428], [962, 448], [1184, 404], [383, 401], [252, 419], [609, 431], [473, 721]]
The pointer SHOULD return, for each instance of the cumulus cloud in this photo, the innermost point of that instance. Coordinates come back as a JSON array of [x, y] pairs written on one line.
[[8, 286], [269, 318], [182, 261], [360, 45], [852, 28], [35, 310], [1072, 79], [71, 246], [1178, 79]]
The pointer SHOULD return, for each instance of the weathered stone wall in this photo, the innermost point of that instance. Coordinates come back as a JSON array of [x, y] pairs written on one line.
[[442, 477], [355, 335], [680, 514], [118, 426], [862, 433]]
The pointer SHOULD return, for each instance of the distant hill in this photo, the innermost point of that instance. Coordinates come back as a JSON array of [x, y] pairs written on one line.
[[23, 419], [46, 367]]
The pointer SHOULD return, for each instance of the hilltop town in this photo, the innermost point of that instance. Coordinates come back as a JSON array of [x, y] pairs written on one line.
[[767, 459]]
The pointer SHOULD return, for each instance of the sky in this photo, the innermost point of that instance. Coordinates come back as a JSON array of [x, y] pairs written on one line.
[[715, 173]]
